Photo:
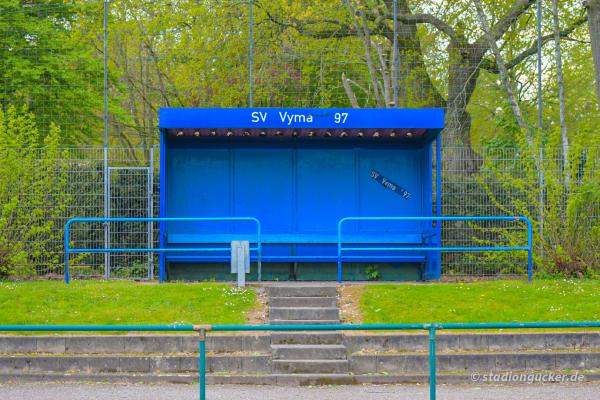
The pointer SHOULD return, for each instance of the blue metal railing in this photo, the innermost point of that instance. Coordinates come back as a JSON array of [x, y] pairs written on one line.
[[69, 250], [528, 248]]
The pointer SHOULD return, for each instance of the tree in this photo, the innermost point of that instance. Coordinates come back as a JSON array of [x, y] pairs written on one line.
[[466, 56], [47, 65], [165, 54], [593, 17], [502, 70]]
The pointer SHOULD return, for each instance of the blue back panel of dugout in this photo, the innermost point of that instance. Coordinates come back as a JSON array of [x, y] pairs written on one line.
[[299, 189]]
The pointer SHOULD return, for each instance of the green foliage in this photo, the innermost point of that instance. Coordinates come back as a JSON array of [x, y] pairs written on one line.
[[47, 65], [570, 230], [499, 301], [573, 231], [119, 302], [137, 269], [372, 272], [32, 195]]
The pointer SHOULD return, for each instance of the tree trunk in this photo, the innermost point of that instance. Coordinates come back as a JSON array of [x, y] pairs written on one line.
[[593, 9], [415, 84], [418, 90], [463, 71]]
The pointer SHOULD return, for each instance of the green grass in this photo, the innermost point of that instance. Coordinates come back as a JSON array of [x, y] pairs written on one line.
[[498, 301], [120, 302]]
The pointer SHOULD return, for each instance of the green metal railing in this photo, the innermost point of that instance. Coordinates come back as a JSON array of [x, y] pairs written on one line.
[[202, 330]]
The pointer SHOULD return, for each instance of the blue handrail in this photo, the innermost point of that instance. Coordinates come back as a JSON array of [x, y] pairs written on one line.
[[69, 250], [528, 248]]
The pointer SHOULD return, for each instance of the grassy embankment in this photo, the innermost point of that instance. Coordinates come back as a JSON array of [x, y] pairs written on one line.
[[498, 301], [120, 302]]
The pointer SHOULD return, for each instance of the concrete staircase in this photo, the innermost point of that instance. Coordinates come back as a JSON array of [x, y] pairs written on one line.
[[303, 358], [306, 352]]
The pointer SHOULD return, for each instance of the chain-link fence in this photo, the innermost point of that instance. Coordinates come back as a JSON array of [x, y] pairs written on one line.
[[505, 185], [270, 53], [565, 218], [80, 172]]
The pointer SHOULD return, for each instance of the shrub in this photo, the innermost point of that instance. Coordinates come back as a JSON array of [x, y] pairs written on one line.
[[569, 228], [32, 196]]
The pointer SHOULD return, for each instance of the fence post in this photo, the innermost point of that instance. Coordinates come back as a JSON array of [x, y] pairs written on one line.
[[396, 58], [202, 329], [339, 251], [432, 367], [542, 200], [67, 240], [529, 251], [106, 194], [150, 227], [251, 54]]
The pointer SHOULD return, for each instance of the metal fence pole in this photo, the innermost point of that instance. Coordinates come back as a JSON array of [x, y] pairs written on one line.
[[396, 56], [151, 212], [540, 123], [105, 169], [251, 53], [107, 214], [530, 251], [539, 63], [67, 240], [542, 199], [432, 366], [202, 359], [438, 199]]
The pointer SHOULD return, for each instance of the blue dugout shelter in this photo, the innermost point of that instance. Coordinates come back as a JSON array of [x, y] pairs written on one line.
[[297, 173]]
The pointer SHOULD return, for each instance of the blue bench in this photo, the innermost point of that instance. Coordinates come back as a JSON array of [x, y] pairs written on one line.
[[312, 247]]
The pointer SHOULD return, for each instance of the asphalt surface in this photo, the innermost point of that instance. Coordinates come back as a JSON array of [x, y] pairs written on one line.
[[79, 391]]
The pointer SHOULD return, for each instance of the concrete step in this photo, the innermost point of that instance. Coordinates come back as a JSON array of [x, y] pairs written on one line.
[[485, 342], [303, 321], [302, 291], [307, 337], [189, 378], [308, 352], [132, 344], [91, 364], [310, 366], [474, 362], [261, 342], [252, 379], [306, 313], [302, 302]]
